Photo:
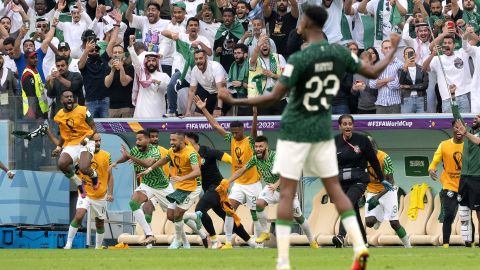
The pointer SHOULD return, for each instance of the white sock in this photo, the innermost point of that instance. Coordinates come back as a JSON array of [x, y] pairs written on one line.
[[184, 238], [351, 226], [406, 241], [228, 227], [140, 218], [283, 242], [179, 230], [306, 230], [262, 218], [257, 228], [71, 235], [466, 223], [189, 216], [76, 180], [190, 223], [99, 240]]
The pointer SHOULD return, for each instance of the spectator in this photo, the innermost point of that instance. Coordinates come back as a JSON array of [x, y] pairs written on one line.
[[152, 84], [238, 77], [344, 101], [436, 19], [183, 60], [366, 95], [191, 7], [208, 27], [281, 22], [9, 62], [360, 34], [13, 21], [40, 11], [35, 104], [388, 100], [421, 42], [227, 36], [241, 14], [468, 14], [474, 52], [38, 36], [64, 51], [119, 83], [413, 84], [8, 91], [454, 69], [62, 79], [207, 78], [265, 69], [332, 27], [251, 38]]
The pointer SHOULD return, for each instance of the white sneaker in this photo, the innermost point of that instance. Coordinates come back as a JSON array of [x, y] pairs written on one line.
[[186, 245], [376, 225], [149, 246], [252, 243], [68, 246], [216, 244], [259, 245], [174, 245], [283, 264]]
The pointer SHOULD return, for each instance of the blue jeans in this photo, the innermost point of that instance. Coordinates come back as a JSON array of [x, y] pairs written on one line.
[[172, 92], [463, 102], [413, 105], [340, 109], [98, 108]]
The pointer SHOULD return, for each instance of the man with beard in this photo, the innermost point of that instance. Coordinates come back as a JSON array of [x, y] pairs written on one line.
[[263, 160], [35, 104], [252, 39], [436, 18], [206, 79], [208, 26], [227, 36], [468, 14], [154, 183], [469, 187], [455, 71], [238, 77], [421, 43], [72, 31], [96, 199], [65, 51], [76, 144], [281, 22], [188, 183], [265, 69], [61, 80], [241, 14]]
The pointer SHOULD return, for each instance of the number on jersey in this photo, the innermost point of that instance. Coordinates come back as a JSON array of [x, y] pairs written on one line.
[[312, 100]]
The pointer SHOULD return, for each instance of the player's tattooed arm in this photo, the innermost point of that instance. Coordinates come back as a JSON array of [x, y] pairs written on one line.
[[201, 105]]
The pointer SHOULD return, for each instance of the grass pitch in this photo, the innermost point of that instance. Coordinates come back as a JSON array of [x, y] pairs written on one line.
[[239, 258]]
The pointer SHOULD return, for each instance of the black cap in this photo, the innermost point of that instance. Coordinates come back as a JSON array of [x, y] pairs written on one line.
[[63, 45], [88, 33]]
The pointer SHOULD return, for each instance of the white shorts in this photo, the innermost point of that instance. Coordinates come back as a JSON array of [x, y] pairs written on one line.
[[387, 209], [273, 197], [98, 208], [246, 194], [189, 201], [315, 159], [74, 151], [157, 196]]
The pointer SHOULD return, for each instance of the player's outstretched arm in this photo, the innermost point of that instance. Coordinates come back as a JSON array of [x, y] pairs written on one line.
[[201, 105], [278, 92], [155, 165], [372, 72], [110, 185], [253, 132], [237, 174], [193, 174]]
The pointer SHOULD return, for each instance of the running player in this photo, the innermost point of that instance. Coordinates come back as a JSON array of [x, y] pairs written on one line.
[[264, 159], [76, 127], [96, 199], [305, 142], [450, 153], [382, 204], [247, 187], [188, 185], [154, 183]]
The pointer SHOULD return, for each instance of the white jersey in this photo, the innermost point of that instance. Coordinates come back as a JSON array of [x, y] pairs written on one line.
[[167, 46], [332, 25]]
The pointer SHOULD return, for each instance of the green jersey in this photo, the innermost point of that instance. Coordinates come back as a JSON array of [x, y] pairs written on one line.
[[313, 76], [471, 151], [264, 167], [156, 178]]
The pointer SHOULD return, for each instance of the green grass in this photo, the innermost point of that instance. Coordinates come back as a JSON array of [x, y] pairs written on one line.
[[240, 258]]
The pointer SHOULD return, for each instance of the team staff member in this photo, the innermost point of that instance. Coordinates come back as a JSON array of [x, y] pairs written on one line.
[[450, 153], [354, 152]]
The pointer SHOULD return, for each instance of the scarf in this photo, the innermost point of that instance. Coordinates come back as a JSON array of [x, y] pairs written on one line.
[[379, 21], [234, 74], [395, 16], [236, 29], [257, 81], [345, 28], [368, 30], [186, 51]]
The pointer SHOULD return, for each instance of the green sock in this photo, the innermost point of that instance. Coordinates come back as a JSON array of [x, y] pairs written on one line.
[[74, 224], [401, 232], [148, 218]]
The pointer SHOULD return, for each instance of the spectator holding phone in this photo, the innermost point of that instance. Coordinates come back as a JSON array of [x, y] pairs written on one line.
[[413, 84], [366, 95]]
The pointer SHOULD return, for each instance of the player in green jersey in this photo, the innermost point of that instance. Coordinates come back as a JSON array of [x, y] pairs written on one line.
[[263, 160], [153, 184], [305, 143]]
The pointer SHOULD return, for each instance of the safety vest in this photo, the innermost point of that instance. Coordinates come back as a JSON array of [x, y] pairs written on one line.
[[39, 93], [257, 81]]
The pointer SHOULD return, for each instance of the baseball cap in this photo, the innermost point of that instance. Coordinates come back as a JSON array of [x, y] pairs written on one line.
[[63, 45], [88, 33], [180, 5], [30, 54]]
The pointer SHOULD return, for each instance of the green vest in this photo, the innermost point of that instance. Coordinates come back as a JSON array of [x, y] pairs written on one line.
[[39, 92]]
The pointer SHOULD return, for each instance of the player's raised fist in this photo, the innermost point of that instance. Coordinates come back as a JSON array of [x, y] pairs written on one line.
[[395, 39]]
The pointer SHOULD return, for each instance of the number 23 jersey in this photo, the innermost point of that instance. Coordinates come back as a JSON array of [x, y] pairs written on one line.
[[313, 77]]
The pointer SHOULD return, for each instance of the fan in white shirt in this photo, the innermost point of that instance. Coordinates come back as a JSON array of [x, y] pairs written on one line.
[[208, 28]]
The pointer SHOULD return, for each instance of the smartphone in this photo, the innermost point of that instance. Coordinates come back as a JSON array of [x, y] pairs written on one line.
[[450, 25], [38, 29], [264, 31], [410, 54], [26, 24]]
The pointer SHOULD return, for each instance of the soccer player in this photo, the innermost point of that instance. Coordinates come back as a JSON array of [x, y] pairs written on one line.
[[96, 199], [305, 142], [211, 178], [154, 183], [450, 153], [247, 187], [188, 184], [264, 159], [76, 127], [469, 187], [382, 204]]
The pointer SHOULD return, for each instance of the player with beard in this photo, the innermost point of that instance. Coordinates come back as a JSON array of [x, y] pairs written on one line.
[[76, 127], [313, 79], [469, 187], [263, 160]]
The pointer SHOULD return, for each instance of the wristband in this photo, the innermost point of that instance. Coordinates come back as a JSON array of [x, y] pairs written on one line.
[[8, 172], [218, 108]]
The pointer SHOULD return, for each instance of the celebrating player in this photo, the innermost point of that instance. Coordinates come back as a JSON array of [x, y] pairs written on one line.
[[264, 159], [248, 186], [305, 142], [382, 204], [76, 127], [96, 198], [154, 183]]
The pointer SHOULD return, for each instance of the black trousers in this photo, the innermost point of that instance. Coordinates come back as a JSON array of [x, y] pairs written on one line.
[[450, 206], [354, 191], [211, 200]]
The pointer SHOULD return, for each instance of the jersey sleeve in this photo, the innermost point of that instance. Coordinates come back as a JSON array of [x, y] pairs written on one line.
[[137, 22], [437, 157], [252, 162], [193, 158], [387, 165], [154, 153], [228, 137], [292, 71], [251, 142]]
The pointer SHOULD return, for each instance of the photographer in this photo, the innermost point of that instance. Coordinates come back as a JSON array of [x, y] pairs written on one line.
[[413, 84]]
